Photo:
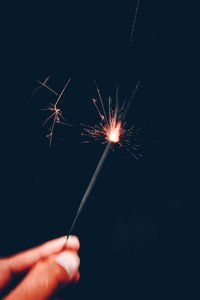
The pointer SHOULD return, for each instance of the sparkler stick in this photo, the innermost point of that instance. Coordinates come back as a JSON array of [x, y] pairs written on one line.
[[91, 185]]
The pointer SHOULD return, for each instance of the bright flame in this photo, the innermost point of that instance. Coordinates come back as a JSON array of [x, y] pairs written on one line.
[[112, 127], [113, 132]]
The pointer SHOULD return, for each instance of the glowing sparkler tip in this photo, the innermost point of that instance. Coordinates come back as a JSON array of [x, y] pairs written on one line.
[[112, 128], [114, 132]]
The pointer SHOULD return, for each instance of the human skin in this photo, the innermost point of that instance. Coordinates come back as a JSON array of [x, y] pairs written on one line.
[[49, 267]]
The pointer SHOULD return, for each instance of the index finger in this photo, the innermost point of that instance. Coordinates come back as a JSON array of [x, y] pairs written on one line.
[[24, 260]]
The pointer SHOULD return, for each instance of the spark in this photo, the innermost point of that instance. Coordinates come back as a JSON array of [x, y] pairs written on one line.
[[134, 21], [56, 115], [46, 86]]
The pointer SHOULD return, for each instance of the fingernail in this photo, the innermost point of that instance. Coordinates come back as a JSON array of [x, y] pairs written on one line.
[[69, 261]]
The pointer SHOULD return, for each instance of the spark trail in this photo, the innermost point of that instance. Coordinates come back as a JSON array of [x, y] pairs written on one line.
[[46, 86], [134, 21], [55, 112]]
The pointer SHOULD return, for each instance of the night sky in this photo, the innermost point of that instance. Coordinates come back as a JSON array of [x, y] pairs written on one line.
[[135, 230]]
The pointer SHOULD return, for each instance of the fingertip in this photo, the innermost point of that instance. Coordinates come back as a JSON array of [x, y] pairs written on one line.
[[73, 243]]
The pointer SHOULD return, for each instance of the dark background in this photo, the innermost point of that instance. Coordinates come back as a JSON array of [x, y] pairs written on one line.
[[135, 230]]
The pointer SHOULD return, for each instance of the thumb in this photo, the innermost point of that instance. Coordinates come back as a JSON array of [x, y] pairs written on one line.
[[47, 276]]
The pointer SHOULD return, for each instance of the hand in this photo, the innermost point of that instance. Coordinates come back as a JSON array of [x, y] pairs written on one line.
[[50, 267]]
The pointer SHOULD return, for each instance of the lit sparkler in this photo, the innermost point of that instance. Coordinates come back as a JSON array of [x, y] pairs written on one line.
[[55, 113], [111, 130], [112, 127]]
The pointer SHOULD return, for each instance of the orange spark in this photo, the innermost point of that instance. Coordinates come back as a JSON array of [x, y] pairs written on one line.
[[46, 86], [112, 127], [56, 113]]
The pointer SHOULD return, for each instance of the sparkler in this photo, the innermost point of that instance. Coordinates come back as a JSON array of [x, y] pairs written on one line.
[[111, 130], [56, 113]]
